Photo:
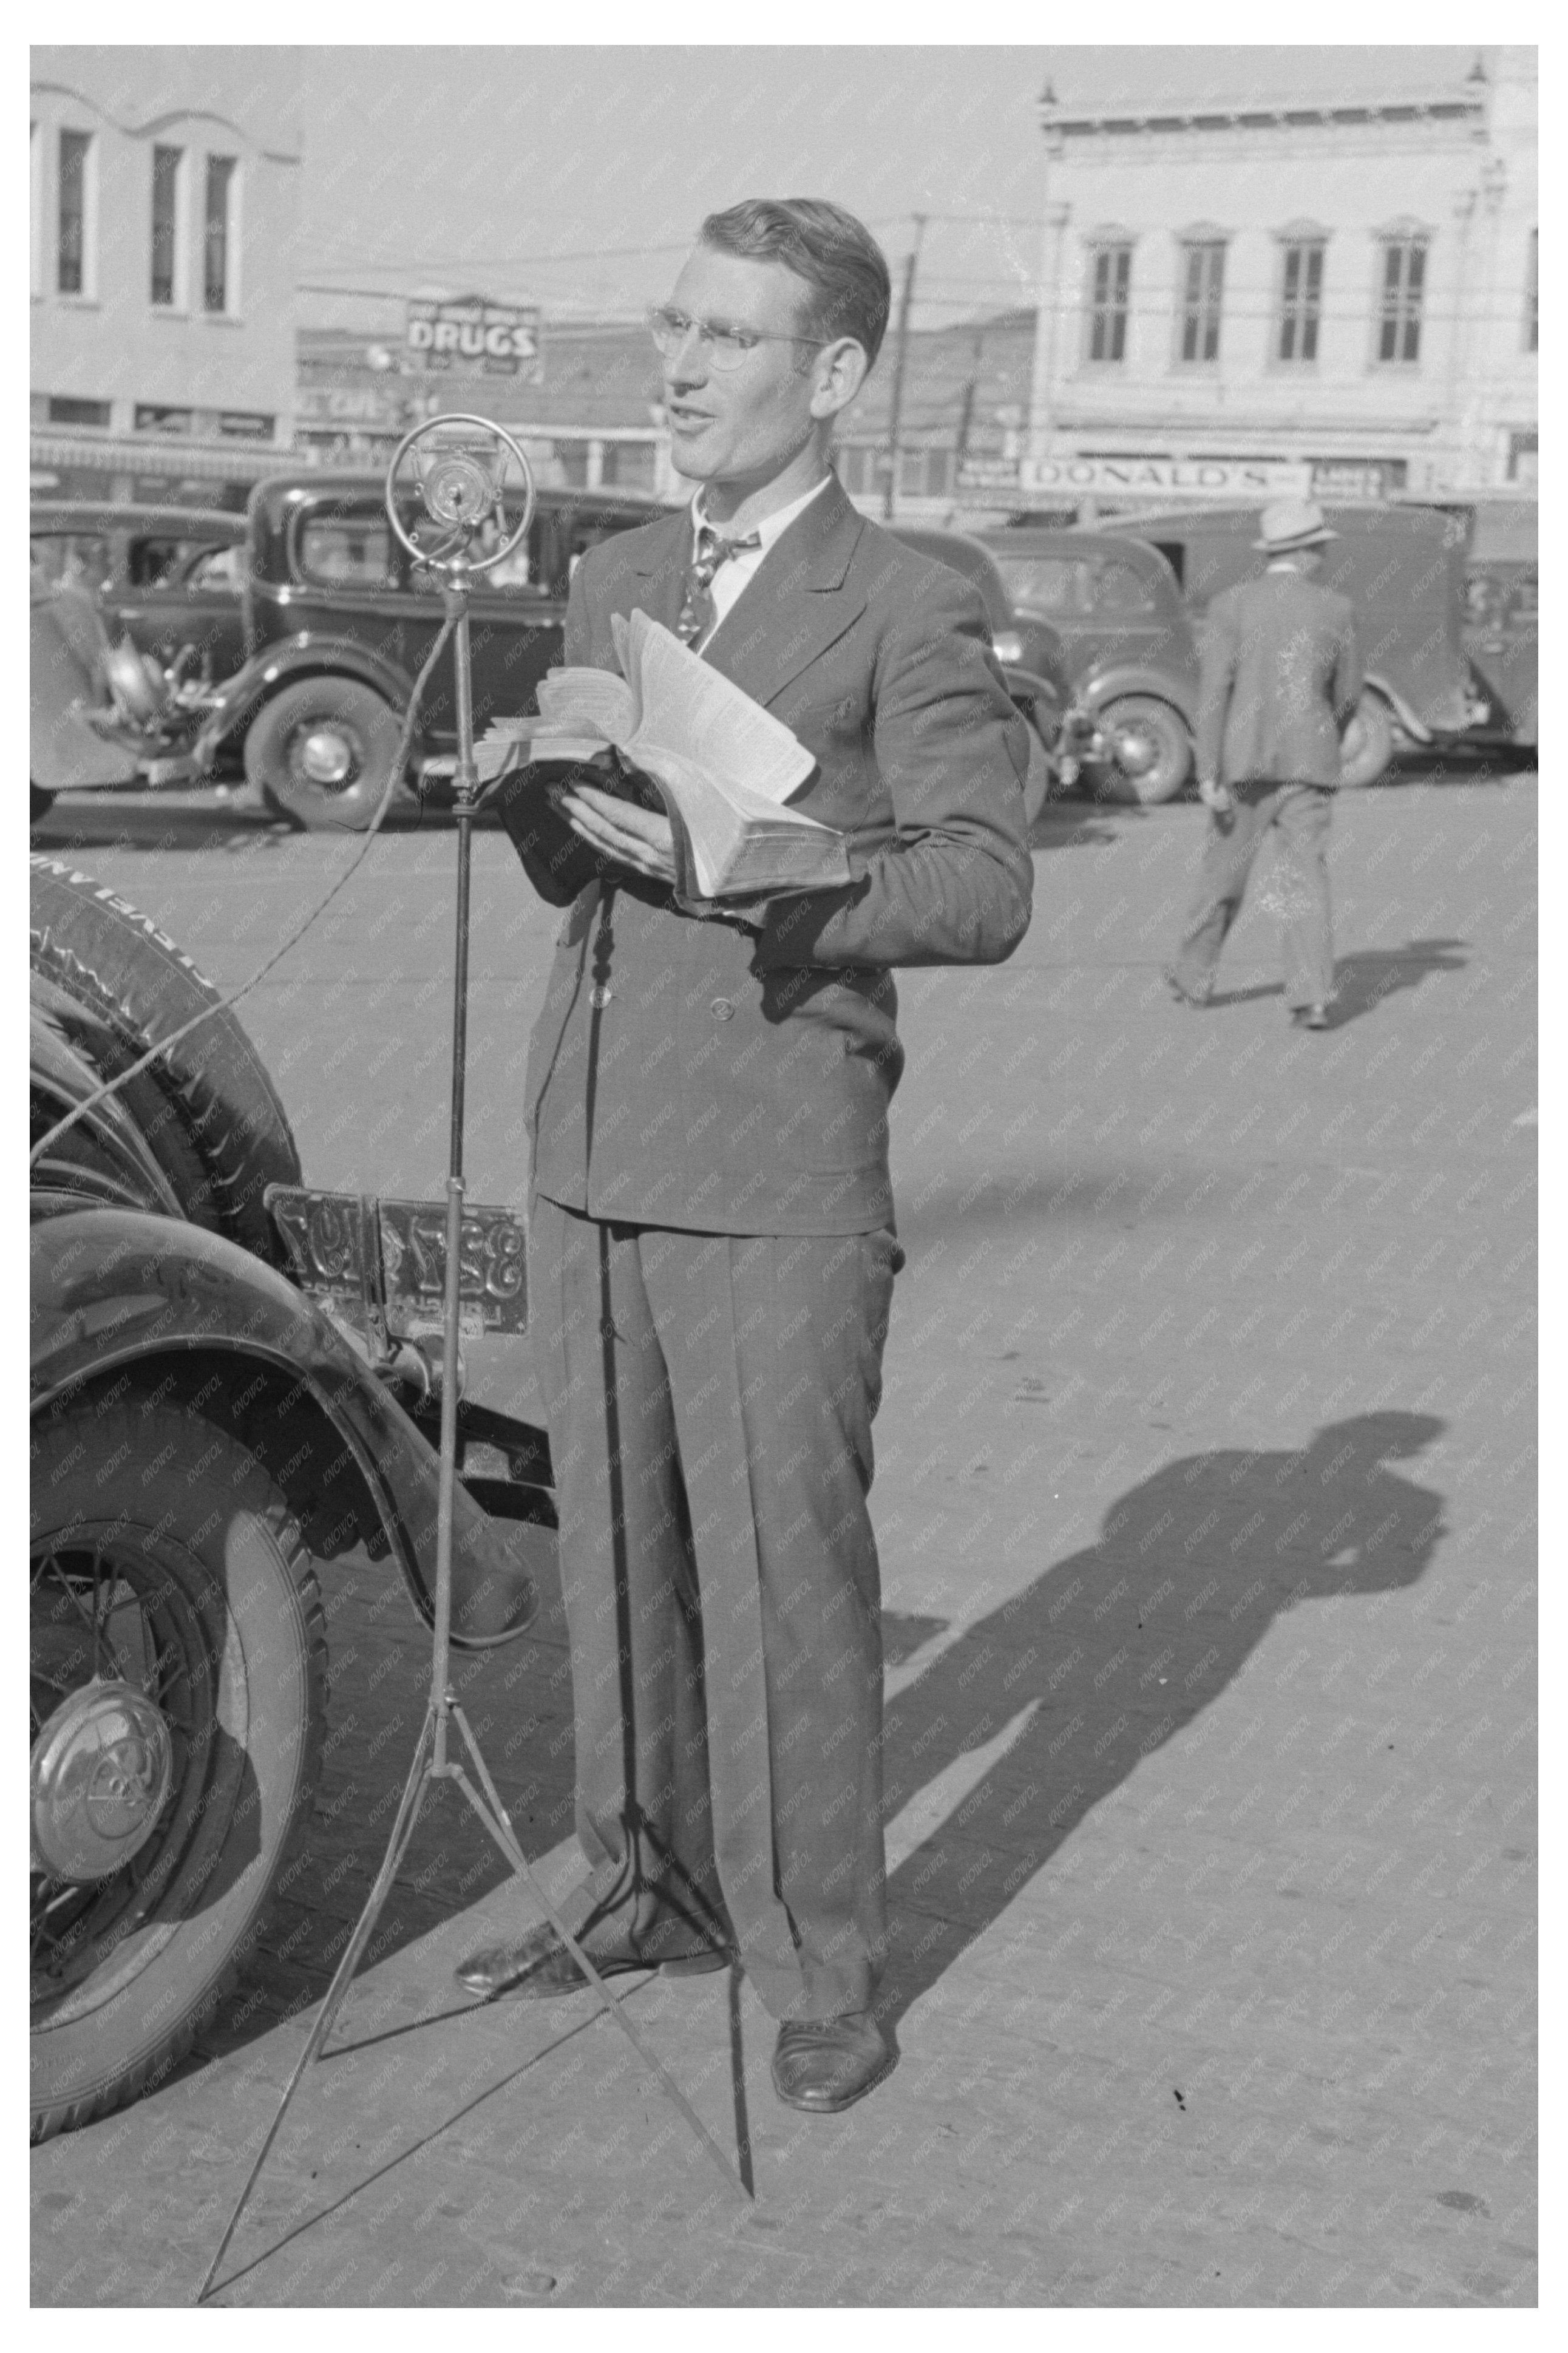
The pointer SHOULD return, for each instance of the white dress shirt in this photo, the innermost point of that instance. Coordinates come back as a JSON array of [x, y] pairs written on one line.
[[733, 577]]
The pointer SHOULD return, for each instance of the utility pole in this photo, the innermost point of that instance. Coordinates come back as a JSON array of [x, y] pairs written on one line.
[[900, 351]]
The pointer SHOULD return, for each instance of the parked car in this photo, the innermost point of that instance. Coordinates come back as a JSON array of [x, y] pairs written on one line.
[[1026, 644], [340, 621], [1502, 596], [1402, 568], [1130, 647], [170, 578], [231, 1388]]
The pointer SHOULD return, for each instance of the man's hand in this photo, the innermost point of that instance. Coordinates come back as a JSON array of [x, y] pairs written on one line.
[[1215, 795], [634, 837]]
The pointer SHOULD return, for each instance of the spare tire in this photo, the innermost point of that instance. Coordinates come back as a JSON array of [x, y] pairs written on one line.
[[210, 1113]]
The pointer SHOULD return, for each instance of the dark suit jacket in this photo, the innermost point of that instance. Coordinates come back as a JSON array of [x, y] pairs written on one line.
[[686, 1072], [1281, 673]]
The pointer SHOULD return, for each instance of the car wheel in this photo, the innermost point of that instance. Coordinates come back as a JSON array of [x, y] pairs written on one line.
[[320, 753], [39, 803], [1149, 751], [207, 1109], [1367, 746], [178, 1700], [1037, 782]]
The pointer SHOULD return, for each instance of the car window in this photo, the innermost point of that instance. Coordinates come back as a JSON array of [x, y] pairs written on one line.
[[74, 559], [348, 552], [150, 563], [219, 572], [1119, 589], [1058, 585], [1525, 603]]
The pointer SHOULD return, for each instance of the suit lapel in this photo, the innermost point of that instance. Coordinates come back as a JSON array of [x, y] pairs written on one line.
[[655, 578], [796, 604]]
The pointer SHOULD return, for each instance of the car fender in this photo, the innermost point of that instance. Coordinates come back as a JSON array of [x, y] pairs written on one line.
[[1116, 679], [113, 1288], [1413, 725], [308, 655]]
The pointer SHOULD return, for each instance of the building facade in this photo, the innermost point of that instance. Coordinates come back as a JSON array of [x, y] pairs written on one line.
[[166, 196], [1345, 292]]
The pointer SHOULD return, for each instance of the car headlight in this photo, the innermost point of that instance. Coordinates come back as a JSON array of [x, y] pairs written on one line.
[[1007, 646]]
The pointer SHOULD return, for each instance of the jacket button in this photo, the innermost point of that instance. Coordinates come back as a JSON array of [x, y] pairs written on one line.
[[600, 995], [721, 1010]]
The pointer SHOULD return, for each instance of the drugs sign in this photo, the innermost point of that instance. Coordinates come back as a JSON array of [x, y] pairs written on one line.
[[473, 337]]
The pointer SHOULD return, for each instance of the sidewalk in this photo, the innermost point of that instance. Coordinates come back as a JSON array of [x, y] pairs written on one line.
[[1204, 1494]]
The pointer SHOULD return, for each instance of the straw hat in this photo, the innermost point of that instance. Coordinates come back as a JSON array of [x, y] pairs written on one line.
[[1291, 523]]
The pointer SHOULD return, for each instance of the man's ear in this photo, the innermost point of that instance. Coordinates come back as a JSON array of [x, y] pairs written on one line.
[[839, 372]]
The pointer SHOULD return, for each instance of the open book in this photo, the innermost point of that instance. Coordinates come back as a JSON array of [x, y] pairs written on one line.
[[723, 766]]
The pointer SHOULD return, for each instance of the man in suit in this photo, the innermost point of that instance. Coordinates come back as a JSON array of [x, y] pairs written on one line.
[[1280, 676], [712, 1237]]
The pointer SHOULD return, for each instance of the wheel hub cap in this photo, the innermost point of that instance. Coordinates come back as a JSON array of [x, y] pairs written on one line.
[[1135, 752], [325, 757], [102, 1768]]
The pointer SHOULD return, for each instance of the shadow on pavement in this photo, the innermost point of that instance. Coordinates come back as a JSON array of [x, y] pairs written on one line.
[[1111, 1653], [1101, 1660], [1365, 977]]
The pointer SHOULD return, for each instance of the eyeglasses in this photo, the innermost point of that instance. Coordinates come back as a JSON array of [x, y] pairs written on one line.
[[725, 346]]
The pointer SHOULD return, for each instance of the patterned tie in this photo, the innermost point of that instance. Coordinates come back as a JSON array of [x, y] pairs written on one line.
[[698, 612]]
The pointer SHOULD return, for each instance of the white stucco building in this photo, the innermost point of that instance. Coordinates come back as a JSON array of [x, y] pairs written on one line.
[[165, 191], [1345, 288]]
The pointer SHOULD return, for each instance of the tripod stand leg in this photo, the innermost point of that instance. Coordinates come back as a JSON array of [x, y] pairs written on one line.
[[497, 1820], [412, 1798]]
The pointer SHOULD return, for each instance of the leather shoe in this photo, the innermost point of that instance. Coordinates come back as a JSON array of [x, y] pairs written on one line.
[[540, 1967], [1310, 1017], [822, 2064]]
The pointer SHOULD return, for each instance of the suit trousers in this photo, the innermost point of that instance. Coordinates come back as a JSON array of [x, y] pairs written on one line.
[[709, 1401], [1297, 891]]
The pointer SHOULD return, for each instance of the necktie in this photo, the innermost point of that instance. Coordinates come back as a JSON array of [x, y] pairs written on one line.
[[697, 609]]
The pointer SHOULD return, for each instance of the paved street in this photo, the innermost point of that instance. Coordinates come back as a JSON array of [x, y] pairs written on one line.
[[1206, 1501]]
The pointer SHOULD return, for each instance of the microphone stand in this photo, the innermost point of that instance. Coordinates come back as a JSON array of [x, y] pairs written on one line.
[[432, 1761]]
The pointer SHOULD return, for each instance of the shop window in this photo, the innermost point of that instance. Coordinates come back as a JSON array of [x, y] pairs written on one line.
[[1202, 293], [1402, 292], [1110, 299], [151, 417], [1300, 301], [65, 409]]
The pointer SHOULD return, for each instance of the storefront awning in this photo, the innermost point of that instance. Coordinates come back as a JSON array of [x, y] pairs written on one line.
[[161, 453]]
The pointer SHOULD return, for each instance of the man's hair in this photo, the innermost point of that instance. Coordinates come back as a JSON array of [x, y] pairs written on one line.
[[836, 255]]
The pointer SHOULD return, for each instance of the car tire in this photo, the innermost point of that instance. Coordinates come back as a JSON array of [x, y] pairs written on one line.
[[1367, 746], [207, 1109], [319, 753], [1037, 782], [39, 803], [1153, 753], [163, 1559]]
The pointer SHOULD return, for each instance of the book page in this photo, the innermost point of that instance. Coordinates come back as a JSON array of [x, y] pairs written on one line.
[[581, 701], [733, 840], [686, 701]]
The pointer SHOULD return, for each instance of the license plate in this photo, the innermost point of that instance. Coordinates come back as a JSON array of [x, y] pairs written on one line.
[[386, 1260]]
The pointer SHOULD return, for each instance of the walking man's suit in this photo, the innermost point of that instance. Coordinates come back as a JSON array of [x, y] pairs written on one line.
[[712, 1261], [1280, 676]]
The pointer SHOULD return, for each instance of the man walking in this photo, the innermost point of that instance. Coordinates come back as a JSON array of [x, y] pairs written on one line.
[[1280, 676], [712, 1241]]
